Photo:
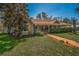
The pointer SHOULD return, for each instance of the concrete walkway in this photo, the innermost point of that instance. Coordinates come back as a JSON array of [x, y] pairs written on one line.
[[67, 42]]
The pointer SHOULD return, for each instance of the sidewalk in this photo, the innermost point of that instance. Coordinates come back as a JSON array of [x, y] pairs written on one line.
[[68, 42]]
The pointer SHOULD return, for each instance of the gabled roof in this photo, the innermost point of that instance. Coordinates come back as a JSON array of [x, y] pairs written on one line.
[[48, 22]]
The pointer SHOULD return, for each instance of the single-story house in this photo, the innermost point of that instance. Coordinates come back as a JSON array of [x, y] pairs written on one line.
[[46, 25], [38, 24]]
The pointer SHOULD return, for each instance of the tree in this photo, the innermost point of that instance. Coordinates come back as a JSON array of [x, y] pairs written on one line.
[[44, 15], [50, 17], [55, 18], [74, 29], [74, 20], [66, 20], [38, 16], [22, 19], [7, 8], [77, 8], [15, 16]]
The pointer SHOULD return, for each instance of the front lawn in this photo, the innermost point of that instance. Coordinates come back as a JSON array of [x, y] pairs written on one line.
[[69, 36], [36, 45], [6, 42], [41, 45]]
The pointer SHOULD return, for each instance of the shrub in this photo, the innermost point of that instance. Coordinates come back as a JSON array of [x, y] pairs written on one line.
[[61, 30], [38, 33]]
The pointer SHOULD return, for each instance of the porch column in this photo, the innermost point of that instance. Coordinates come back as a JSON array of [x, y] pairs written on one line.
[[38, 27], [50, 28], [43, 27]]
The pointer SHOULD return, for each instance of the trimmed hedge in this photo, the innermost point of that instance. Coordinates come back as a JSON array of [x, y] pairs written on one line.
[[61, 30]]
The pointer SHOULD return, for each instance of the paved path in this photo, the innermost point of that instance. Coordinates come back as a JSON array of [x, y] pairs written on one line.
[[68, 42]]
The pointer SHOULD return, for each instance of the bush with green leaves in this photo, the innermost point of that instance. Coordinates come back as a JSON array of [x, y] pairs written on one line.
[[38, 33], [61, 30]]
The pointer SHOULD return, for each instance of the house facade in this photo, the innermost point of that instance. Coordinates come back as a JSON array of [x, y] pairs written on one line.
[[38, 25], [47, 25]]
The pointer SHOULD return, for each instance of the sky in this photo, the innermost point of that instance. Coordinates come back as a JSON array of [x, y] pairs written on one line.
[[53, 9]]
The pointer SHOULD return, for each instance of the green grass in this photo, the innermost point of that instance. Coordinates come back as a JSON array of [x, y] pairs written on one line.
[[37, 45], [41, 46], [6, 42], [69, 36]]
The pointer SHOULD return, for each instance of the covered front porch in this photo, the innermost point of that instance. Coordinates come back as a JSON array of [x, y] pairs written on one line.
[[44, 28], [49, 25], [51, 28]]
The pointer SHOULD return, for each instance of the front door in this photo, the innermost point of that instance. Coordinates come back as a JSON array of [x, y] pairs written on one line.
[[45, 28]]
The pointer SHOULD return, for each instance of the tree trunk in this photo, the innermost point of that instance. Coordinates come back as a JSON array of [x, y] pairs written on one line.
[[8, 31], [74, 30]]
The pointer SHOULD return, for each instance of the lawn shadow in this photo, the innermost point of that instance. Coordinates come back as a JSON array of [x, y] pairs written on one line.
[[3, 34], [74, 34]]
